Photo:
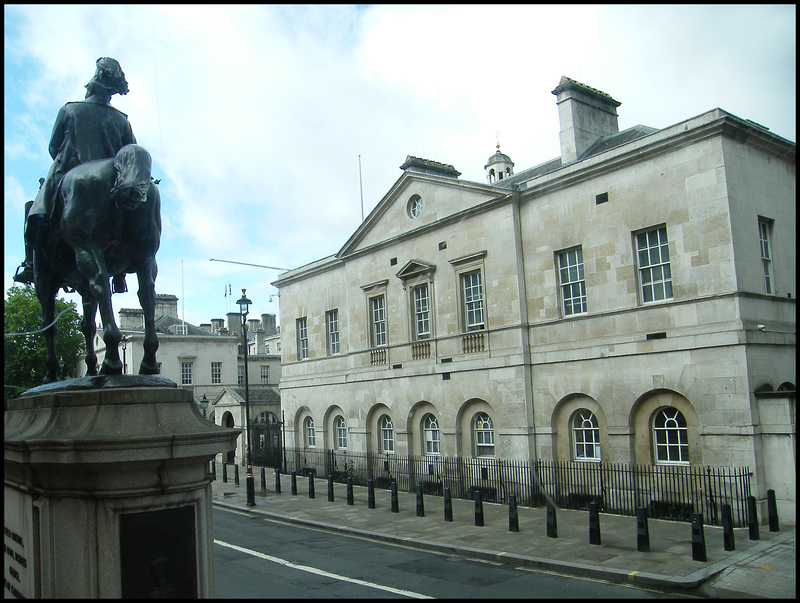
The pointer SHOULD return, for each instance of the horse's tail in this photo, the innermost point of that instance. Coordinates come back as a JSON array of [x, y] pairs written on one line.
[[133, 176]]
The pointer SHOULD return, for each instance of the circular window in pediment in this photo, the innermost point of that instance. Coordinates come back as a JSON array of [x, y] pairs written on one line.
[[415, 207]]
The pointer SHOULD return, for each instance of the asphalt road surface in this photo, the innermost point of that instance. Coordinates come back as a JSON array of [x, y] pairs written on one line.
[[257, 557]]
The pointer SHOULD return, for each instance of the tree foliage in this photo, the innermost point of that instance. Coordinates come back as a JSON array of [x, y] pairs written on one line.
[[25, 348]]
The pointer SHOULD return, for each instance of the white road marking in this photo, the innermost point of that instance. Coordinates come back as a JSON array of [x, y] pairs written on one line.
[[320, 572]]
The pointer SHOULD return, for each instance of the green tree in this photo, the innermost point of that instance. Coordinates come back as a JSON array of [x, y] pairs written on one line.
[[25, 354]]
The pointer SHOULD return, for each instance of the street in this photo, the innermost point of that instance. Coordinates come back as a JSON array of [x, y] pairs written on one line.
[[256, 557]]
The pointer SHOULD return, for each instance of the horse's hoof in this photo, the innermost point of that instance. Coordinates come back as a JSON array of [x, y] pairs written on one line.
[[111, 369], [145, 369]]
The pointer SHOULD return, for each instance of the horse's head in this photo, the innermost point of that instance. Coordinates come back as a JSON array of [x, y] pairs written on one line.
[[132, 164]]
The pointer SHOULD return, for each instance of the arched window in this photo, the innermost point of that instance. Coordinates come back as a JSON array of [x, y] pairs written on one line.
[[341, 432], [387, 434], [670, 436], [484, 435], [310, 434], [430, 428], [585, 436]]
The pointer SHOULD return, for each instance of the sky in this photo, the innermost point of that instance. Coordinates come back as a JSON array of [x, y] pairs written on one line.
[[268, 124]]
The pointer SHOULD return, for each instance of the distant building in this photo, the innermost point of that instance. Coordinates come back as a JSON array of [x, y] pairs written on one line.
[[631, 301], [229, 411], [208, 359]]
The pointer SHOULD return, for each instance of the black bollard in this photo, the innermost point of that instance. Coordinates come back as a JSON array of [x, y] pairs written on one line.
[[478, 508], [642, 531], [236, 474], [448, 505], [420, 502], [752, 517], [250, 485], [370, 494], [350, 491], [727, 529], [552, 523], [263, 479], [277, 481], [311, 493], [594, 524], [224, 472], [294, 483], [698, 538], [214, 469], [330, 488], [395, 503], [513, 516], [772, 511]]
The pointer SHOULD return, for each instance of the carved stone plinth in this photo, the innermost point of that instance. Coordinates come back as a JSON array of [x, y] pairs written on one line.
[[107, 490]]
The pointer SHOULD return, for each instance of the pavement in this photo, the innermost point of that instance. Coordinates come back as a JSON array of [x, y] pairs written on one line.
[[763, 568]]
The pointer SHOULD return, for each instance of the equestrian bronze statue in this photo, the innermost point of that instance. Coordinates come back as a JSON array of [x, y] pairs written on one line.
[[97, 215]]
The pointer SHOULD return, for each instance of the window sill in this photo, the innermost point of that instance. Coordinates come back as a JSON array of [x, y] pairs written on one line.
[[574, 315]]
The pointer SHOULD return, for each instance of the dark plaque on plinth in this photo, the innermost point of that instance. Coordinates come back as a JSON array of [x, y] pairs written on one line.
[[158, 554]]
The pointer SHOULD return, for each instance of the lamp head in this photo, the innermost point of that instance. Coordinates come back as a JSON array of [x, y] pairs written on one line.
[[244, 305]]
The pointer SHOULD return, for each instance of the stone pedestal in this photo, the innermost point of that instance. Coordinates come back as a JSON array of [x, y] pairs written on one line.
[[107, 490]]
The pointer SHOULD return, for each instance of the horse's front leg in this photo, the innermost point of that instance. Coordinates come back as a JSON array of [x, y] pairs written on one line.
[[92, 266], [89, 330], [147, 299], [46, 290]]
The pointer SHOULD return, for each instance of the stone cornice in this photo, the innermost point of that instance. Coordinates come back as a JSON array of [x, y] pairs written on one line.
[[659, 143]]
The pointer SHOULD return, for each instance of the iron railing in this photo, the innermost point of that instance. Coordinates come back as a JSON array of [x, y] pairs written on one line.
[[666, 491]]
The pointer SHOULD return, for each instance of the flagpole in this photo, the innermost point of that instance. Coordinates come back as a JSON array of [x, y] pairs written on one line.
[[183, 304], [361, 188]]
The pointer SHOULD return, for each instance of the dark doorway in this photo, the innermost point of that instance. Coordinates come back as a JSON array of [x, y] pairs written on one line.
[[267, 441], [227, 421]]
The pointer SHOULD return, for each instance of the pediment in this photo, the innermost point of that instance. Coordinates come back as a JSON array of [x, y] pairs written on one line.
[[415, 269], [414, 203]]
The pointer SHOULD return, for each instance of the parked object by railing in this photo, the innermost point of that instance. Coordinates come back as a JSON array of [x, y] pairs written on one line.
[[673, 492]]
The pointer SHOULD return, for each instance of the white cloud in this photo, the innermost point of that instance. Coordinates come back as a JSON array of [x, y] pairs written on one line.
[[256, 115]]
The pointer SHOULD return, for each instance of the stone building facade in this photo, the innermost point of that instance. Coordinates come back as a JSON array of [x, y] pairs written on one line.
[[631, 301], [206, 359]]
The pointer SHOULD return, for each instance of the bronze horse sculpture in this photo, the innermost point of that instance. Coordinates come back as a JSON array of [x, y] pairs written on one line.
[[106, 222]]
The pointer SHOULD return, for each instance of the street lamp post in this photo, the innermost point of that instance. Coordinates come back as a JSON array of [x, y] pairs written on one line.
[[124, 343], [244, 308]]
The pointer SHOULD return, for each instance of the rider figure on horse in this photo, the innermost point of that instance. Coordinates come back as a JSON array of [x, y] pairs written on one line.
[[84, 131]]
